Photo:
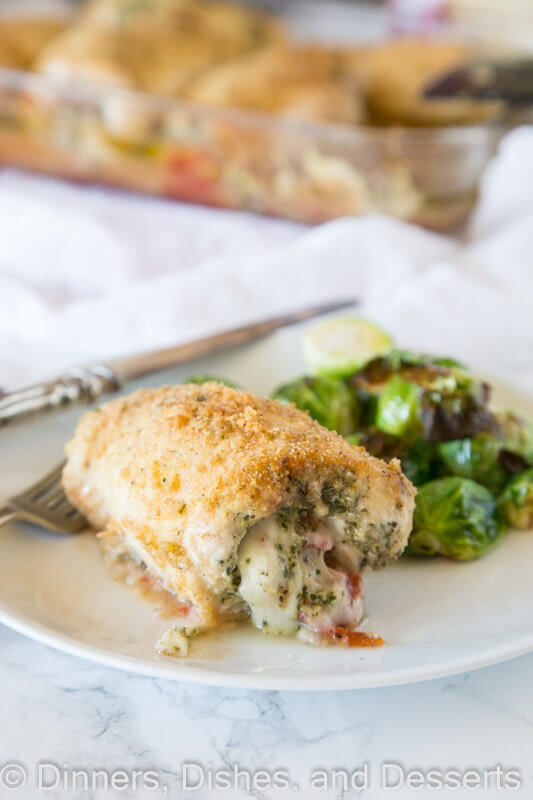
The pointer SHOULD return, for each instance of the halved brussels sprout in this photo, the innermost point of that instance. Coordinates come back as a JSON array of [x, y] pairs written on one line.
[[328, 400], [454, 517], [343, 345], [516, 501]]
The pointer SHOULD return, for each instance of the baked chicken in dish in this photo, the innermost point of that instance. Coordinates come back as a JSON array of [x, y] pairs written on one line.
[[237, 506]]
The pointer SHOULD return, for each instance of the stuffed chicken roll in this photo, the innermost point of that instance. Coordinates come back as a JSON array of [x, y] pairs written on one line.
[[238, 506]]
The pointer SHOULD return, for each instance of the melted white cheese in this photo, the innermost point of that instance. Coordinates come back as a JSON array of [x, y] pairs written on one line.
[[275, 565], [269, 571]]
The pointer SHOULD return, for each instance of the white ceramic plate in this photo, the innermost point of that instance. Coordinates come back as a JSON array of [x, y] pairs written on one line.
[[437, 617]]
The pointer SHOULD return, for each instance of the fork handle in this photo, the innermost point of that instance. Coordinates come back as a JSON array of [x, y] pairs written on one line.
[[82, 385], [6, 515]]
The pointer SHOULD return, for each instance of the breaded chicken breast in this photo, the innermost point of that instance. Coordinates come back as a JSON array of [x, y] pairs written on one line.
[[239, 506]]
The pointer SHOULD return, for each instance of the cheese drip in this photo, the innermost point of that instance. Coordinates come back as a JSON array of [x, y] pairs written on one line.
[[291, 578]]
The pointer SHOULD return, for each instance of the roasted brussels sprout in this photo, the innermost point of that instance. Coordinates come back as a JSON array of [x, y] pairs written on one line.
[[516, 435], [328, 400], [341, 345], [516, 501], [418, 462], [475, 458], [399, 409], [416, 396], [491, 458], [204, 378], [454, 517]]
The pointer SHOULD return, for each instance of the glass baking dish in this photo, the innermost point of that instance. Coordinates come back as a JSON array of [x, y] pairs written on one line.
[[240, 159]]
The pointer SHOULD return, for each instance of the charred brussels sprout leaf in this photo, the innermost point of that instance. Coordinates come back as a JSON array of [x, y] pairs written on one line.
[[329, 401], [203, 378], [516, 501], [341, 345], [454, 517], [475, 458]]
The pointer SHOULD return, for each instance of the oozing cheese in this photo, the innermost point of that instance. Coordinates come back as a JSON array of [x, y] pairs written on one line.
[[290, 578], [271, 576]]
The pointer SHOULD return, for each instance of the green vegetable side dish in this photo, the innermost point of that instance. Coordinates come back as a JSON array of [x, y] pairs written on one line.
[[343, 345], [516, 501], [454, 517], [328, 400], [473, 467]]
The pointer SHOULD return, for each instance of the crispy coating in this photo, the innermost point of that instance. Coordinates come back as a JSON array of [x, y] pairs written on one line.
[[181, 473]]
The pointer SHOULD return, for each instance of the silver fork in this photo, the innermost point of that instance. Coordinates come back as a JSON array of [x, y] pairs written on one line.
[[45, 504]]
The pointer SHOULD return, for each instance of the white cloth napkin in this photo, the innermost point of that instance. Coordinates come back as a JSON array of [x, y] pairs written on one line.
[[89, 273]]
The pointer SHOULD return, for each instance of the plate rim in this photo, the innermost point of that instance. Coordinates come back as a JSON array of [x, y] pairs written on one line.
[[179, 672]]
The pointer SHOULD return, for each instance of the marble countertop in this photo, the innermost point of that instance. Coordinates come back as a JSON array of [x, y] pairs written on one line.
[[59, 710]]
